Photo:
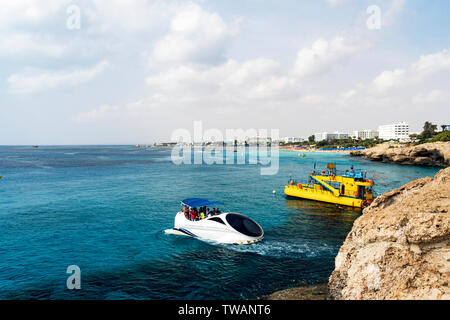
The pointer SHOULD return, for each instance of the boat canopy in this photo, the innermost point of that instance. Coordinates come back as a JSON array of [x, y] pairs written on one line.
[[197, 202]]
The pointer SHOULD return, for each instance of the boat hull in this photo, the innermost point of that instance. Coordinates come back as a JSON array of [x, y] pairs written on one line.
[[322, 196], [213, 230]]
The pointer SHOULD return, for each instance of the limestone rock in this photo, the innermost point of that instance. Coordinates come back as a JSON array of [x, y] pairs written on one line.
[[314, 292], [400, 247], [427, 154]]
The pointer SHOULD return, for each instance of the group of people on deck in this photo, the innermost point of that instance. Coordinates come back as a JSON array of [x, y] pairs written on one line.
[[193, 214]]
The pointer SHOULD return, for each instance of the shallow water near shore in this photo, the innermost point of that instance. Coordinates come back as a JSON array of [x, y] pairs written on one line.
[[104, 208]]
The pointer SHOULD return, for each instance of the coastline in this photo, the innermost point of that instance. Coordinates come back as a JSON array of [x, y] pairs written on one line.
[[282, 148], [293, 149], [427, 154], [311, 292]]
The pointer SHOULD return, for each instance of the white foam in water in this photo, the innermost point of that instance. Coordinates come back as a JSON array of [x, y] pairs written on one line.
[[284, 249]]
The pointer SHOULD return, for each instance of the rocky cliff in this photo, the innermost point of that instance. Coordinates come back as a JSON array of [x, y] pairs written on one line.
[[427, 154], [400, 247]]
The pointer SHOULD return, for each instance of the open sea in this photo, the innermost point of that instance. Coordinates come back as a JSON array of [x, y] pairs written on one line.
[[105, 209]]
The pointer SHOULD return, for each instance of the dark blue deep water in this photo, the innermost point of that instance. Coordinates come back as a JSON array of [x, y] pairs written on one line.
[[104, 208]]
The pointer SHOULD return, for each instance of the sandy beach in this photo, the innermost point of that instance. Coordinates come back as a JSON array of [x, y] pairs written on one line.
[[293, 149]]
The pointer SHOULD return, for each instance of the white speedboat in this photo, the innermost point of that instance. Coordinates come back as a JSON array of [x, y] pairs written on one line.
[[227, 227]]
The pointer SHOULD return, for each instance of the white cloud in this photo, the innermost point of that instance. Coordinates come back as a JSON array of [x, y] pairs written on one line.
[[192, 68], [26, 83], [100, 113], [426, 66], [348, 94], [389, 79], [129, 15], [337, 2], [392, 90], [29, 10], [434, 96], [258, 83], [392, 13], [223, 89], [325, 54], [108, 112], [30, 45], [195, 36], [314, 99], [228, 83]]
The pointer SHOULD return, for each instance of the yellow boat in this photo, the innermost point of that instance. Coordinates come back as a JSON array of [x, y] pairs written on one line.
[[351, 189]]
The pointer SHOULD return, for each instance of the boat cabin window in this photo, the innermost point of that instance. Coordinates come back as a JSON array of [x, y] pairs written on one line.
[[244, 225], [217, 220], [343, 189]]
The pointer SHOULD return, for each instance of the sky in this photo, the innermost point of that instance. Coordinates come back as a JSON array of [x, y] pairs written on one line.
[[128, 72]]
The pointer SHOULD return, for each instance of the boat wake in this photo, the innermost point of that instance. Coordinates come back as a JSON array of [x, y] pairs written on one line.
[[280, 249]]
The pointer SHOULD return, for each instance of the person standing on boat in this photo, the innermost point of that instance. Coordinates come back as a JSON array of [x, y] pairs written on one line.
[[352, 171], [196, 215], [185, 210]]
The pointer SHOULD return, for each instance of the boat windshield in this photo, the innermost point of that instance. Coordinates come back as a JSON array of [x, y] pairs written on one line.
[[244, 225]]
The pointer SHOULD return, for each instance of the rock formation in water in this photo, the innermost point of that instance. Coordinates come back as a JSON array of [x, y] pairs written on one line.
[[427, 154], [400, 247], [314, 292]]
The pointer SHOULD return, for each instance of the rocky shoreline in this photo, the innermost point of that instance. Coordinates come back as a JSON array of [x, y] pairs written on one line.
[[427, 154], [399, 249], [314, 292]]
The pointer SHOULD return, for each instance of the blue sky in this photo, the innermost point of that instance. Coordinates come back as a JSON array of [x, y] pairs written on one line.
[[135, 71]]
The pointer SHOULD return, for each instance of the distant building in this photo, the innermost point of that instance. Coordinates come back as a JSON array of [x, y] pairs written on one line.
[[394, 131], [365, 134], [259, 140], [329, 136], [293, 139], [447, 127]]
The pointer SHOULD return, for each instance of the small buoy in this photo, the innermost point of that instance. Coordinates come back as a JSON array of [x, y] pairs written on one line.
[[274, 191]]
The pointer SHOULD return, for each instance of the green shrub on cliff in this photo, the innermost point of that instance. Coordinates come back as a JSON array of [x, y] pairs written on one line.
[[429, 134], [429, 130], [443, 136]]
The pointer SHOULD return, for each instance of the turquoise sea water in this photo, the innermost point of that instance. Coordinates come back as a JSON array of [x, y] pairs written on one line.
[[104, 208]]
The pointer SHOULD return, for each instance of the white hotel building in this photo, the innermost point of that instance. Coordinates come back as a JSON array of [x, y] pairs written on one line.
[[394, 131], [365, 134], [328, 136], [293, 139]]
